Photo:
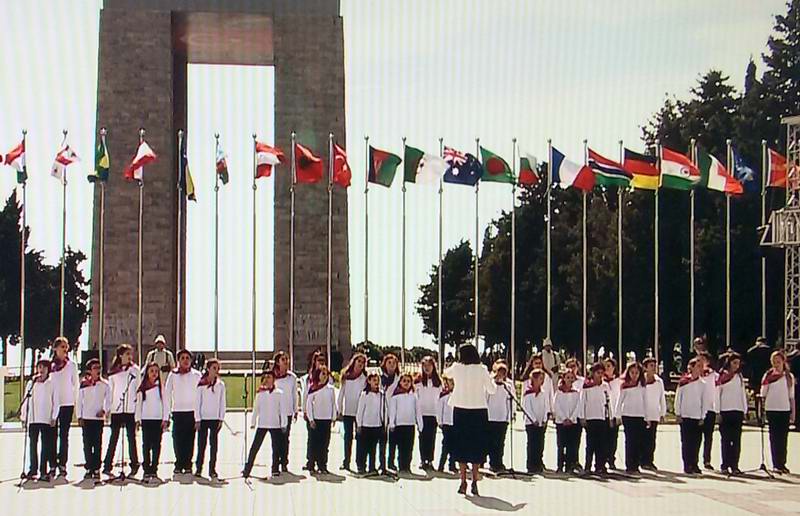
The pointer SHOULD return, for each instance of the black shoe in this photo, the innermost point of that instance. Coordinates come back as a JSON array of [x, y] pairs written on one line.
[[361, 472], [462, 489], [784, 470], [88, 475], [134, 470], [214, 475], [107, 471], [96, 475], [474, 489], [62, 472], [649, 467], [708, 466], [47, 477], [198, 473], [440, 469], [176, 470], [452, 468], [245, 474], [324, 471]]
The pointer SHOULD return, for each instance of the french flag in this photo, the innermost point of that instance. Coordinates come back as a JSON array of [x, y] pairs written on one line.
[[569, 174]]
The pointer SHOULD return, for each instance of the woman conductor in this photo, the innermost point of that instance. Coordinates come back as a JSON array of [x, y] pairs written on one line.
[[470, 413]]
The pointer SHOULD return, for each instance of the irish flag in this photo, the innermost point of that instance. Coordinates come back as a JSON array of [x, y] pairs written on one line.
[[266, 158], [144, 156], [776, 169], [569, 174], [715, 177], [677, 171], [16, 160]]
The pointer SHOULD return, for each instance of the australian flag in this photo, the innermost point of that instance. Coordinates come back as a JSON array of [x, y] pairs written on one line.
[[463, 169], [749, 177]]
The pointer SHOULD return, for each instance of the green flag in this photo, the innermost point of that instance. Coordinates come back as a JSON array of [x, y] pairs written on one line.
[[497, 170], [411, 161], [101, 163], [382, 166]]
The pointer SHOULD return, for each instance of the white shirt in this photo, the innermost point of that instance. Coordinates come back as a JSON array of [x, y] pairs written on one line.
[[711, 390], [92, 399], [369, 411], [731, 395], [288, 385], [472, 384], [499, 403], [428, 397], [778, 395], [181, 391], [632, 401], [403, 411], [41, 407], [537, 407], [656, 406], [124, 384], [691, 400], [615, 385], [151, 405], [66, 382], [349, 394], [566, 405], [305, 382], [595, 400], [444, 411], [321, 404], [210, 402], [268, 409], [547, 386]]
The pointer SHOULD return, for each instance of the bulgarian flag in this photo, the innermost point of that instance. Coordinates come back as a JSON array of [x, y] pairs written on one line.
[[266, 158], [569, 174], [382, 166], [677, 171], [144, 156], [716, 177], [422, 168], [342, 175], [16, 160], [496, 168], [776, 169], [308, 168], [64, 158], [528, 170]]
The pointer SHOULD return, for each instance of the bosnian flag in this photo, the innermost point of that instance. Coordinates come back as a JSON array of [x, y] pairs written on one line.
[[16, 160], [266, 158], [776, 169], [144, 156], [567, 173], [64, 158]]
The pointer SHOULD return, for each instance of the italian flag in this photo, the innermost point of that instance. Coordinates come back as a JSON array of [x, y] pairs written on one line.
[[528, 170], [16, 160], [497, 170], [677, 171], [715, 177], [382, 166], [266, 158], [144, 156]]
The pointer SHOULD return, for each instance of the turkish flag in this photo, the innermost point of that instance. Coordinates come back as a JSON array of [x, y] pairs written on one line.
[[341, 169]]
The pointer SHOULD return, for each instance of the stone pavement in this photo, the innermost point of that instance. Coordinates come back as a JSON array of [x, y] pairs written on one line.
[[341, 493]]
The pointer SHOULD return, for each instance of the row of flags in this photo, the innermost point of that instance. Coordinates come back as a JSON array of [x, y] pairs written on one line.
[[671, 169]]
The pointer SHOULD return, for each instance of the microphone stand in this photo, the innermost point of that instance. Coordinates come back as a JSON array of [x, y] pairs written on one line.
[[760, 421], [511, 472], [26, 403], [123, 403]]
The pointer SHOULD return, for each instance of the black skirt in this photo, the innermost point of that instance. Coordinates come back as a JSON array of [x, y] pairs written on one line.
[[470, 443]]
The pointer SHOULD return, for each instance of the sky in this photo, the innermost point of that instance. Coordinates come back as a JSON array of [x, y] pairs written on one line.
[[568, 70]]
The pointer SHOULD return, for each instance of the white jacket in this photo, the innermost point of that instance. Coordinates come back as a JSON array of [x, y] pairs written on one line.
[[151, 405], [349, 394], [499, 403], [538, 407], [211, 403], [403, 411], [124, 384], [656, 406], [428, 397], [66, 382], [92, 399], [268, 410], [444, 411], [41, 407], [181, 391], [369, 411], [321, 404]]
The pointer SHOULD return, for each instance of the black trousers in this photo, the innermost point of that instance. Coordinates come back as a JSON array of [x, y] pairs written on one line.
[[596, 443], [427, 439], [63, 423], [535, 448], [612, 434], [708, 435], [117, 422], [349, 423], [309, 454], [635, 428], [209, 432], [278, 442], [183, 439], [730, 433], [691, 436], [92, 443], [497, 443], [447, 445], [778, 436], [366, 447], [151, 445], [319, 441], [568, 439], [44, 433], [285, 457], [403, 438], [649, 446]]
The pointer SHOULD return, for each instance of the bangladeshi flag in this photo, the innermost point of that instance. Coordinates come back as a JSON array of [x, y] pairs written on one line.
[[496, 169], [308, 168], [382, 166]]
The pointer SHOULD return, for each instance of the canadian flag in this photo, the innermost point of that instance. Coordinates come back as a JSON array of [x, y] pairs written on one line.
[[266, 158], [144, 156], [64, 158]]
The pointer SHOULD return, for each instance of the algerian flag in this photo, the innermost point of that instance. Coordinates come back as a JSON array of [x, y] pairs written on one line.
[[497, 170], [101, 163], [422, 168], [714, 176]]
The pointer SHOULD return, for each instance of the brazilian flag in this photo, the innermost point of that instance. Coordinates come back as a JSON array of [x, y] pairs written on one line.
[[101, 163]]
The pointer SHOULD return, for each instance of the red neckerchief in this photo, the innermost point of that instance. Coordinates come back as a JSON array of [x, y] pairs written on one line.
[[609, 379], [264, 388], [57, 365], [650, 382], [315, 386], [146, 385], [444, 393], [120, 368], [686, 379], [205, 382], [707, 371], [353, 375], [562, 386], [725, 377], [532, 390], [88, 381], [400, 390], [772, 376], [626, 385], [589, 383], [279, 376], [181, 370]]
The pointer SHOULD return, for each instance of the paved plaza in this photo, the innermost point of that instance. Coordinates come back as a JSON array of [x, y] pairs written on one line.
[[343, 494]]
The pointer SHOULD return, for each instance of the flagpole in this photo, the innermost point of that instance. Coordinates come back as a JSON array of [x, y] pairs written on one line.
[[439, 269], [63, 240], [728, 252], [22, 276], [216, 249], [693, 154], [403, 275], [763, 223], [512, 338], [255, 262], [477, 242], [547, 234], [583, 323], [291, 250], [620, 358], [140, 259], [366, 244], [179, 238], [329, 334], [656, 271], [101, 278]]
